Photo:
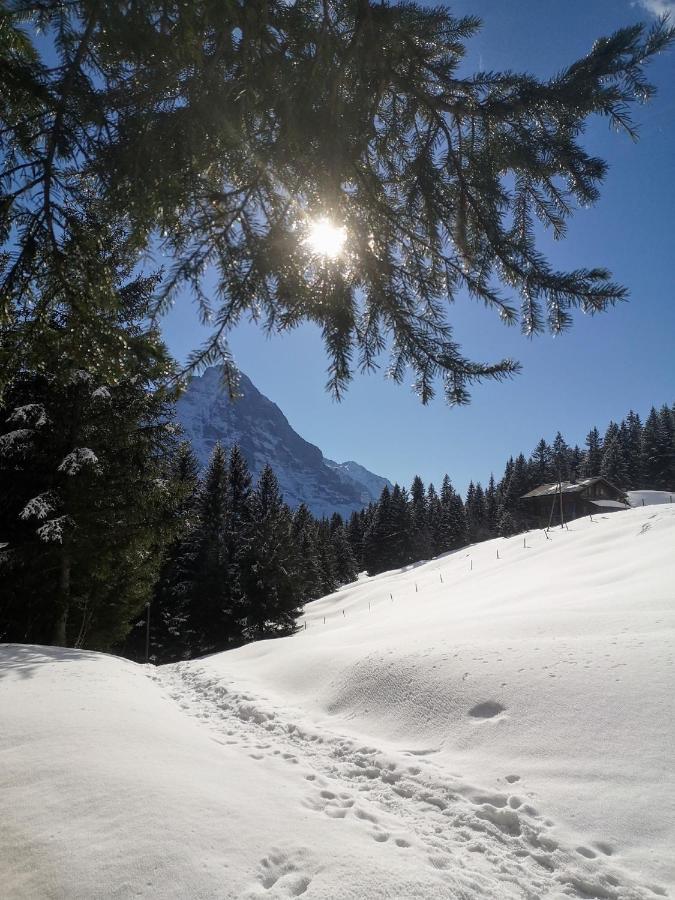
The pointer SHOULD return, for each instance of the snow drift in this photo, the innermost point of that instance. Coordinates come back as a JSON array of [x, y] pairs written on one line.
[[497, 722]]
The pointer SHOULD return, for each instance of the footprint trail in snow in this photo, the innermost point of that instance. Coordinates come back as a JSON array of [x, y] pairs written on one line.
[[483, 843]]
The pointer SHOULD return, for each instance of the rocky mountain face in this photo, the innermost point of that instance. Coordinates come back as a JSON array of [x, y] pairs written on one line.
[[264, 435]]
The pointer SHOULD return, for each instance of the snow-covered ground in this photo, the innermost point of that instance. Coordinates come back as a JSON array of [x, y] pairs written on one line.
[[495, 723], [650, 498]]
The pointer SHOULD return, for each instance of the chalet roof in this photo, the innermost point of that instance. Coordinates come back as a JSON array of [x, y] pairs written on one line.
[[568, 487], [610, 504]]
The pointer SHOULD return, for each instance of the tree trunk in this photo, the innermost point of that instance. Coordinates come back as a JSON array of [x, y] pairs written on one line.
[[59, 636]]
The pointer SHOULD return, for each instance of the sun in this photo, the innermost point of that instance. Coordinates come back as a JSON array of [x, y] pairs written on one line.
[[326, 239]]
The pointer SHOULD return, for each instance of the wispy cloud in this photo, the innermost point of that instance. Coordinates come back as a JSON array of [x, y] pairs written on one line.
[[658, 7]]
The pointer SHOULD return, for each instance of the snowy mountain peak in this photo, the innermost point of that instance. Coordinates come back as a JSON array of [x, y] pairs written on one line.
[[264, 434]]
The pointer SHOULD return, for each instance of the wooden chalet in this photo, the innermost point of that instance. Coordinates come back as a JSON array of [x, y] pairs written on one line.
[[575, 498]]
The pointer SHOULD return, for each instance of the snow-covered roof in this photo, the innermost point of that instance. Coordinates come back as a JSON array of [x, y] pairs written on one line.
[[568, 487], [610, 504]]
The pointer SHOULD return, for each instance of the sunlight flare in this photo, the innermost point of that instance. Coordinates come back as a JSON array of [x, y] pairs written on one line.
[[326, 239]]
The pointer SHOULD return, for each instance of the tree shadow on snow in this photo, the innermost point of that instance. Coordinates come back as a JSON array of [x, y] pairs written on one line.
[[27, 659]]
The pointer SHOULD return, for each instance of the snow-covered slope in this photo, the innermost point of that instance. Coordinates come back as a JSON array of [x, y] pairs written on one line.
[[351, 471], [265, 436], [650, 498], [496, 723]]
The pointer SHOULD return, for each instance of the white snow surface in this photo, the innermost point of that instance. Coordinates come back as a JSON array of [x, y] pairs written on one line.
[[495, 723], [650, 498]]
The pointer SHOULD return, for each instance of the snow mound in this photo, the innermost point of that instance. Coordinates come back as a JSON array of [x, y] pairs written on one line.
[[650, 498], [495, 723]]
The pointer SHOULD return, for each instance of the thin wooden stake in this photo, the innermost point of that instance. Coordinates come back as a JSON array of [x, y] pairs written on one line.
[[497, 552], [471, 566], [305, 624], [441, 575], [147, 633]]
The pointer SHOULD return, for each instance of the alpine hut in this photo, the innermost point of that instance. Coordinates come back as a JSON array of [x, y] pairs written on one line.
[[573, 499]]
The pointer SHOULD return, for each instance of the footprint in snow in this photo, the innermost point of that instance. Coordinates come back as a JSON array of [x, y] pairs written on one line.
[[277, 870], [603, 847], [486, 710]]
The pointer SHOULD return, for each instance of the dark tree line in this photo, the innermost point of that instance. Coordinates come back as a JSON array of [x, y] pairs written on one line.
[[102, 510], [405, 527], [243, 564]]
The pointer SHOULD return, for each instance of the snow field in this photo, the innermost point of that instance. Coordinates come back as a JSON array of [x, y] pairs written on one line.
[[650, 498], [472, 727]]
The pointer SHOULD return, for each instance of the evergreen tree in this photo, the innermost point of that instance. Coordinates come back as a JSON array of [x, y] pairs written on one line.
[[656, 453], [198, 122], [491, 508], [454, 533], [400, 538], [205, 571], [308, 575], [421, 538], [346, 566], [613, 466], [327, 563], [84, 477], [593, 457], [435, 521], [560, 459], [458, 527], [476, 513], [378, 553], [168, 639], [630, 436], [667, 419], [355, 533], [272, 603], [613, 433], [542, 463], [576, 463], [507, 526], [514, 485]]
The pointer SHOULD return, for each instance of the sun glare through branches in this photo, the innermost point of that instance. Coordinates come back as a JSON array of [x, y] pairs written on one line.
[[326, 239]]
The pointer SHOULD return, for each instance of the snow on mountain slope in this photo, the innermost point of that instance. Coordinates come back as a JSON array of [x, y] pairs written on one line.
[[473, 727], [265, 436], [352, 471]]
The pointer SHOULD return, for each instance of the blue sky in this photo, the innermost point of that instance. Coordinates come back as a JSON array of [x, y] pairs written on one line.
[[595, 372]]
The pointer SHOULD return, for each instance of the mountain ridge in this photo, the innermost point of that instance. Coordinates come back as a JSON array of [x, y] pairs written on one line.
[[265, 436]]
